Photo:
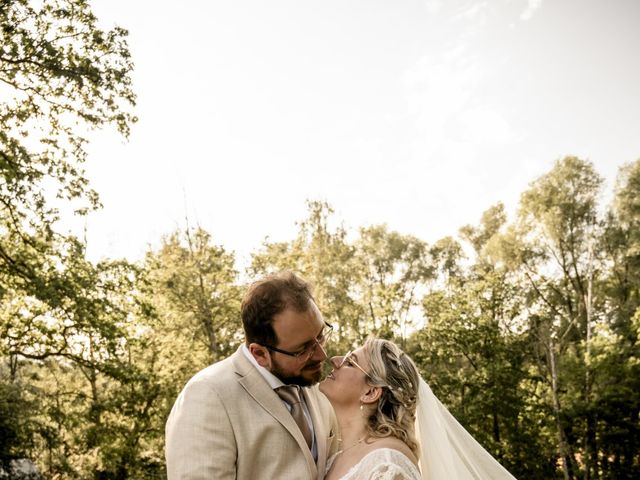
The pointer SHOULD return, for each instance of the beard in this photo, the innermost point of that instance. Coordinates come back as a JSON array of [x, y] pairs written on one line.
[[299, 379]]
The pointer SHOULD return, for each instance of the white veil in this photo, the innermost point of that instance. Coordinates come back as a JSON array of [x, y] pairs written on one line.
[[447, 450]]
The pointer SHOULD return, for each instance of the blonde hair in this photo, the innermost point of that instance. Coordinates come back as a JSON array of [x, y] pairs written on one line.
[[395, 412]]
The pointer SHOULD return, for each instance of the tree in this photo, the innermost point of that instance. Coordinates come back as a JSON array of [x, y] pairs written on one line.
[[552, 246], [86, 397], [622, 244], [324, 257], [396, 269], [618, 352], [472, 349], [60, 75], [192, 285]]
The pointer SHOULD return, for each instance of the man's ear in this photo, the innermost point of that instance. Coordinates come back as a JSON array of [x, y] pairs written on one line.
[[261, 354], [371, 395]]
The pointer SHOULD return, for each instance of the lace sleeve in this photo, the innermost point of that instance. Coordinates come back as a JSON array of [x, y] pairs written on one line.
[[390, 472], [384, 464]]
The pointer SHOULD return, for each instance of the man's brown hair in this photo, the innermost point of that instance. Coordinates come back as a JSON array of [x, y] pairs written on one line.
[[268, 297]]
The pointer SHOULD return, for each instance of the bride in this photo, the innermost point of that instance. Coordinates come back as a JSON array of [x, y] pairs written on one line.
[[393, 427]]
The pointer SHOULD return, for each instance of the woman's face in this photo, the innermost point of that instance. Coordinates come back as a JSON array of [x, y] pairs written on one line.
[[348, 381]]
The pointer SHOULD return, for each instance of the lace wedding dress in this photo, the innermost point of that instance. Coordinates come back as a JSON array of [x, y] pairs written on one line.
[[381, 464]]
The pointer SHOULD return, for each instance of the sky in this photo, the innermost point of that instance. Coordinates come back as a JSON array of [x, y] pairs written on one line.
[[416, 114]]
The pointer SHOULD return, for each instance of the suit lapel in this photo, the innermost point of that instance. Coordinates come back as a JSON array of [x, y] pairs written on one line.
[[319, 427], [256, 386]]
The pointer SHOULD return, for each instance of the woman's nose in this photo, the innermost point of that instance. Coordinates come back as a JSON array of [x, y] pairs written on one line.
[[335, 361]]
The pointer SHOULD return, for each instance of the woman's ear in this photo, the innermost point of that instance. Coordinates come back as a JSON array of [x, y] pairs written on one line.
[[261, 354], [371, 395]]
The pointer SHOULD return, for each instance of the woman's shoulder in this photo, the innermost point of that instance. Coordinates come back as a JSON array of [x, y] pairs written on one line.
[[391, 446], [388, 460]]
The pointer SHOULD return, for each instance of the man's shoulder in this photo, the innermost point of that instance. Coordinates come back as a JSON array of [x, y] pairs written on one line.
[[220, 373]]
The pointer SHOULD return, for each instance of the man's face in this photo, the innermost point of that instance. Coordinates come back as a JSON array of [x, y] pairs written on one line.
[[297, 331]]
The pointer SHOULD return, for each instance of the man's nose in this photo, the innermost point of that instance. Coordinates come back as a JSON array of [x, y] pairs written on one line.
[[319, 353]]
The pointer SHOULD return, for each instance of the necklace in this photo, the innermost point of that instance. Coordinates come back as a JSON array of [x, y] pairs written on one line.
[[352, 445]]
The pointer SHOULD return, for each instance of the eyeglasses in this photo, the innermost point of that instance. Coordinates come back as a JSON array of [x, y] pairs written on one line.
[[347, 359], [305, 354]]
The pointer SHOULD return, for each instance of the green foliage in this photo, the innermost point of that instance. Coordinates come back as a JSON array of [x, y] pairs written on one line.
[[192, 286], [618, 352], [526, 329], [395, 269], [59, 75], [529, 341], [88, 367], [370, 286], [473, 353], [16, 412], [322, 254]]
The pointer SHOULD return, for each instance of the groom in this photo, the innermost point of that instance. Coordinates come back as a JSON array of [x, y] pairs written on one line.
[[246, 417]]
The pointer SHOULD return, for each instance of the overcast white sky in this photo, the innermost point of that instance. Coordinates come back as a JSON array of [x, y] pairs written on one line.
[[418, 114]]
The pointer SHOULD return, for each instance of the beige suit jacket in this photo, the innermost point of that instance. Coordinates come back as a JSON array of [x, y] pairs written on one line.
[[227, 423]]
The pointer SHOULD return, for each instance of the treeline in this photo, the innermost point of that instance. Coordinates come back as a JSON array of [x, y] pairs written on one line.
[[526, 329]]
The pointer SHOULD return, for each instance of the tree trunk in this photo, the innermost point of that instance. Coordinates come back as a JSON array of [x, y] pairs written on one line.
[[591, 451], [563, 445]]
